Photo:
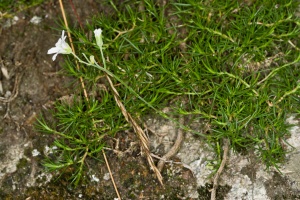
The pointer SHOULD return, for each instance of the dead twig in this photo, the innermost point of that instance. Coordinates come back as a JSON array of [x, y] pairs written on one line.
[[174, 149], [7, 116], [15, 90], [85, 94], [173, 162], [218, 174], [4, 70], [12, 97], [122, 153], [137, 129]]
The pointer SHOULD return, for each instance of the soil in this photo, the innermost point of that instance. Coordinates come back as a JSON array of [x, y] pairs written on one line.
[[34, 83]]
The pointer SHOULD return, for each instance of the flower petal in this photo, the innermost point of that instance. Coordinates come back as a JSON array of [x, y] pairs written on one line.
[[54, 56], [53, 50], [58, 43], [98, 32]]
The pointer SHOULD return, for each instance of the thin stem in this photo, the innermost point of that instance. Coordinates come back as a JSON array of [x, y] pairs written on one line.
[[102, 56], [270, 75], [138, 130], [289, 93], [218, 174], [83, 87], [72, 46], [111, 176]]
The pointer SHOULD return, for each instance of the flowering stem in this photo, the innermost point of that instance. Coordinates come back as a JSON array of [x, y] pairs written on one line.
[[81, 61], [114, 76], [128, 87], [102, 56]]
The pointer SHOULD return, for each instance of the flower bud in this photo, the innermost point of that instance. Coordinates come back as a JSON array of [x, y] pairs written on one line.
[[98, 36], [92, 59]]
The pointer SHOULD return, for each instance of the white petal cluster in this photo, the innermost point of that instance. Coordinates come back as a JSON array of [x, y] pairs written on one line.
[[61, 47]]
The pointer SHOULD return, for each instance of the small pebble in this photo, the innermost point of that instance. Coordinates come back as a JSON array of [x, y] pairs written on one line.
[[35, 153]]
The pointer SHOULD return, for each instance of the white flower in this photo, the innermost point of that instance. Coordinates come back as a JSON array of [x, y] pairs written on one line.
[[98, 36], [61, 47]]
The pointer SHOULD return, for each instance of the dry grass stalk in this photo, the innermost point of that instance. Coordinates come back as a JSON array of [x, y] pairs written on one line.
[[174, 149], [218, 174], [85, 94], [138, 130]]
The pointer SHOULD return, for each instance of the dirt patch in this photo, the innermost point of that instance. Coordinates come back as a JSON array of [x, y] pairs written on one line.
[[279, 188], [33, 83]]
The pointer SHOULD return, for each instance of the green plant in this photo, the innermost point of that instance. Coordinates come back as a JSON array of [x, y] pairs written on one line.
[[7, 7], [231, 64]]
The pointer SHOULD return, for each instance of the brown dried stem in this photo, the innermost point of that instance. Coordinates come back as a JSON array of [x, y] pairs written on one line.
[[138, 130], [85, 94], [174, 149], [218, 174]]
